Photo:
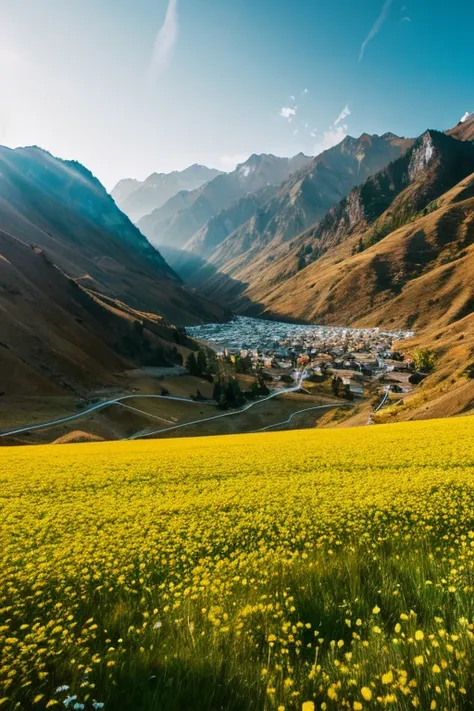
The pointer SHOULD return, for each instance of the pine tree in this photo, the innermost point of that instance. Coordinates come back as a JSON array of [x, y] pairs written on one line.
[[191, 365], [201, 362]]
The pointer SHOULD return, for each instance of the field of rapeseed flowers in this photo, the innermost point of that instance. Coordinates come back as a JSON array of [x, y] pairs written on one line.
[[288, 571]]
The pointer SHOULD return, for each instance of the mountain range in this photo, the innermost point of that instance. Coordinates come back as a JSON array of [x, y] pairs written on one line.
[[403, 223], [176, 228], [138, 198], [299, 202], [376, 231]]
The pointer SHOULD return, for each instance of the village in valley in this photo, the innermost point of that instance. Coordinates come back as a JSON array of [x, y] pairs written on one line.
[[352, 362]]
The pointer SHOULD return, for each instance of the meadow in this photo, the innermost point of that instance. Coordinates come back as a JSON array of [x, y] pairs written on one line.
[[300, 570]]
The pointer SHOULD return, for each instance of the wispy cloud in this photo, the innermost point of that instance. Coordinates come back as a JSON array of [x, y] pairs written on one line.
[[287, 112], [305, 91], [333, 136], [344, 114], [406, 19], [165, 40], [375, 29]]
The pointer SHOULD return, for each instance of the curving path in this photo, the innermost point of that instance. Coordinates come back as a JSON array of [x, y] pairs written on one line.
[[120, 400], [95, 408], [299, 412], [272, 395]]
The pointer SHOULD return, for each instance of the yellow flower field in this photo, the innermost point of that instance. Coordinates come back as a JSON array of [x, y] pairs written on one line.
[[298, 570]]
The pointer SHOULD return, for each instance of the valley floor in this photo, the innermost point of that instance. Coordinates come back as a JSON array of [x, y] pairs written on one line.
[[139, 414]]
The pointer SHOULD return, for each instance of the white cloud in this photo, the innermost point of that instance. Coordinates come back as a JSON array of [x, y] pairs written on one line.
[[312, 134], [165, 41], [344, 114], [406, 19], [333, 136], [231, 162], [375, 29], [292, 98], [330, 138], [287, 112], [305, 91], [466, 116], [295, 132]]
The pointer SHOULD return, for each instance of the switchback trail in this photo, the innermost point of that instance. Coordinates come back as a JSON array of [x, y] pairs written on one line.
[[119, 400]]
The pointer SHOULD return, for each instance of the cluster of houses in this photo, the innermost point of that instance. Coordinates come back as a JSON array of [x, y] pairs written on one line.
[[355, 355]]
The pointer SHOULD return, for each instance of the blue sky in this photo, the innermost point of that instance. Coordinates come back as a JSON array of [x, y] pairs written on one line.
[[96, 80]]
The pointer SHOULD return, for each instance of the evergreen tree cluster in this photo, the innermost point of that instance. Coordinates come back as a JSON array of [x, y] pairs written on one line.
[[202, 364], [227, 392]]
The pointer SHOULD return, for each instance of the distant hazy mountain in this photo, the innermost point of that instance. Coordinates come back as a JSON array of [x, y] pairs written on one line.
[[124, 188], [219, 227], [206, 202], [138, 198]]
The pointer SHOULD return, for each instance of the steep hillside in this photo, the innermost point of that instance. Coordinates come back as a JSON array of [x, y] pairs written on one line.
[[397, 257], [374, 258], [256, 173], [60, 207], [56, 338], [407, 186], [414, 277], [251, 250], [449, 390], [138, 199], [464, 130]]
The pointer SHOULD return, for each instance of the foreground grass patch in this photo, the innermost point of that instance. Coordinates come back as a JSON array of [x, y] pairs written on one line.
[[254, 572]]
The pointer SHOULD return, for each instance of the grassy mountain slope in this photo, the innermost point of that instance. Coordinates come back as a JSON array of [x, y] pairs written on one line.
[[384, 220], [415, 276], [368, 271], [464, 130], [56, 337], [60, 207]]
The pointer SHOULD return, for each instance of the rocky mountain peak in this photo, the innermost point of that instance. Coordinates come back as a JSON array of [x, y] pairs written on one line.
[[422, 155]]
